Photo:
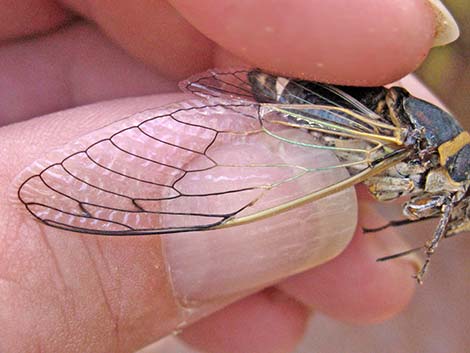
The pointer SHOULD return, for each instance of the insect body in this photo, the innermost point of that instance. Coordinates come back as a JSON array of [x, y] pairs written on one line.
[[144, 174], [436, 170]]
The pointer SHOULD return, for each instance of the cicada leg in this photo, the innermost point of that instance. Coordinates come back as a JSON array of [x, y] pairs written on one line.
[[422, 208], [431, 245], [395, 223]]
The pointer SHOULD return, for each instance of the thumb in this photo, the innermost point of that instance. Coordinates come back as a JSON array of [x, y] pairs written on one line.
[[99, 292]]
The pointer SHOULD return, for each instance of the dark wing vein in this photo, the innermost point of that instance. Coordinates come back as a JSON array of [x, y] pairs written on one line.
[[194, 166], [187, 169]]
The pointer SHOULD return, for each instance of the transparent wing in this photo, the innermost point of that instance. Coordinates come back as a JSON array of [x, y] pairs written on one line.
[[186, 167], [216, 83], [204, 165], [238, 84], [344, 120]]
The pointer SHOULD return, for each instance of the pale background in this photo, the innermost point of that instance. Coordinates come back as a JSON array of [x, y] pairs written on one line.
[[438, 319]]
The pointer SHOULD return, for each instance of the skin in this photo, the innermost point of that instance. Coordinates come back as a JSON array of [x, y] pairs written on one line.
[[169, 41]]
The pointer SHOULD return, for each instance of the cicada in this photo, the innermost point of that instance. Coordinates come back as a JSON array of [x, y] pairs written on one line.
[[165, 173]]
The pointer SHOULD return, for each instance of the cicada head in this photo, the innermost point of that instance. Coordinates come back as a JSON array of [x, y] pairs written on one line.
[[440, 131]]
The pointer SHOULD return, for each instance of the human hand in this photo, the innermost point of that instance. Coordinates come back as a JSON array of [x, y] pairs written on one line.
[[100, 294]]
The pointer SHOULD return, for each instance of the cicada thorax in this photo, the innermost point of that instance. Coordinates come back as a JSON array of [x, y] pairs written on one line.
[[439, 164]]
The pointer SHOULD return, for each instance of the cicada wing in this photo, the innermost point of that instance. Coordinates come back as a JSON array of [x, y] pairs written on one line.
[[220, 83], [256, 85], [185, 167], [334, 123]]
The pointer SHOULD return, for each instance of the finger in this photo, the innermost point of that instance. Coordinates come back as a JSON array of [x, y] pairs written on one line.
[[74, 67], [29, 17], [354, 287], [78, 66], [268, 321], [349, 42], [102, 293]]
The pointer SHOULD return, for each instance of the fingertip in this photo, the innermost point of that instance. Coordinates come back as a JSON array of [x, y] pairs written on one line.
[[348, 42]]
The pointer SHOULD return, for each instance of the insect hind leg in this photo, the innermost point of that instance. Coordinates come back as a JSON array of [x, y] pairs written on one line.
[[423, 208], [431, 245]]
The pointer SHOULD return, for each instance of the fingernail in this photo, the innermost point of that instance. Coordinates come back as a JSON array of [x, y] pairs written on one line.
[[447, 29], [222, 265]]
